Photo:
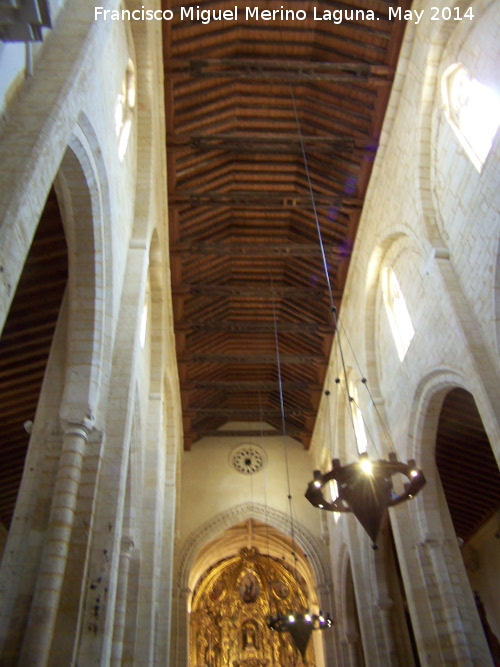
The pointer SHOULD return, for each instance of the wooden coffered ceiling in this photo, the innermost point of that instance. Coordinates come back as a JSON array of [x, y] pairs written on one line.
[[243, 236]]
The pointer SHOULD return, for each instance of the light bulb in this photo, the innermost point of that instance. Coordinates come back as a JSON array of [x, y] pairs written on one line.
[[366, 466]]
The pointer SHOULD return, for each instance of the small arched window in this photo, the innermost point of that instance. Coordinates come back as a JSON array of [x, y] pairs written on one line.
[[357, 418], [124, 109], [473, 111], [397, 312]]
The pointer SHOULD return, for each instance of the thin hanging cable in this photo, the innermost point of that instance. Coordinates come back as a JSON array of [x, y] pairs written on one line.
[[323, 254], [334, 314], [269, 582], [347, 398], [365, 382], [327, 276], [367, 430], [283, 425], [327, 437]]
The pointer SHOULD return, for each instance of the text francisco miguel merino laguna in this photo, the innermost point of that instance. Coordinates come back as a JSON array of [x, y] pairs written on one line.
[[252, 14]]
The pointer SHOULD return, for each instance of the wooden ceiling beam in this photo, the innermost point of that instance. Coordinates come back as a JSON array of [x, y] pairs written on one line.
[[242, 414], [254, 69], [253, 326], [251, 358], [249, 433], [264, 199], [253, 249], [250, 386], [262, 143], [251, 291]]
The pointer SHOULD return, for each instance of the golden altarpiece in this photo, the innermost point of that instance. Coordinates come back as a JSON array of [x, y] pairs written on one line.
[[231, 606]]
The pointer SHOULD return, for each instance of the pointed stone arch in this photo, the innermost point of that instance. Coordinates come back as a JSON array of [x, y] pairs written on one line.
[[196, 557], [81, 187]]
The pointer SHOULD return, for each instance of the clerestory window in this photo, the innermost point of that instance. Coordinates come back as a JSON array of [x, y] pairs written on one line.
[[124, 109], [473, 111], [357, 417], [397, 312]]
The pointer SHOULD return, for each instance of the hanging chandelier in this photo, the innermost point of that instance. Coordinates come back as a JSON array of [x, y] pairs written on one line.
[[300, 626], [366, 489]]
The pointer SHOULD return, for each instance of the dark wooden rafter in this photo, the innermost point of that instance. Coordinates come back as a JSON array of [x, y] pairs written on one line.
[[269, 199], [251, 358], [250, 291], [25, 345], [466, 464], [249, 386], [249, 433], [243, 326], [251, 249], [280, 70]]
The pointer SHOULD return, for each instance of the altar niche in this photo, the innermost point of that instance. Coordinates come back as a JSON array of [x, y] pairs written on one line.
[[231, 607]]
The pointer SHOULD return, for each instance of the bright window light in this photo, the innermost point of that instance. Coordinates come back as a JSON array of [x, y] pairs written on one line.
[[397, 312], [335, 494], [124, 108], [359, 424], [473, 111]]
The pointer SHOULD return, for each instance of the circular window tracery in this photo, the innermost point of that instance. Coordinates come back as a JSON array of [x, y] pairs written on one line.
[[247, 459]]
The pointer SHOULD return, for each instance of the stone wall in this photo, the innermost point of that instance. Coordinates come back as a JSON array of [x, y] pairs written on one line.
[[434, 219], [95, 513]]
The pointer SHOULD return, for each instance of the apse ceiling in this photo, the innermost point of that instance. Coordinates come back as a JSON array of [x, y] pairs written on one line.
[[243, 235]]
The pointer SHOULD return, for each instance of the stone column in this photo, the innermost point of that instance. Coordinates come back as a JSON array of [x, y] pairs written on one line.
[[450, 628], [44, 608], [180, 632], [385, 608], [127, 545], [352, 647]]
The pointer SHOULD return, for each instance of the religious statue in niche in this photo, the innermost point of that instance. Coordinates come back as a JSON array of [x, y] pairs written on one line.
[[249, 587], [230, 609], [249, 636]]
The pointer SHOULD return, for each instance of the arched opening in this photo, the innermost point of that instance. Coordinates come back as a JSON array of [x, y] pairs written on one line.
[[272, 547], [397, 312], [355, 656], [471, 483], [25, 346], [473, 111]]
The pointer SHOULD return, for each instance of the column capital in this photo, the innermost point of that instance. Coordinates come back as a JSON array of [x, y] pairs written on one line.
[[81, 429], [126, 545]]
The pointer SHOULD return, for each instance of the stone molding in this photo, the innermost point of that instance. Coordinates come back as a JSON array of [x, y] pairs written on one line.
[[317, 554]]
